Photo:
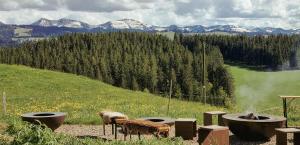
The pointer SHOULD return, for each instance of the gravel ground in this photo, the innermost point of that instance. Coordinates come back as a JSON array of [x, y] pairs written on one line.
[[96, 131]]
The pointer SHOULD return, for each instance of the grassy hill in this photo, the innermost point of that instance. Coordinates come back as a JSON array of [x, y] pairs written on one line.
[[30, 90]]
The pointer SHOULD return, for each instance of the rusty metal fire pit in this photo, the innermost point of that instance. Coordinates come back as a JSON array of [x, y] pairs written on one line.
[[51, 119], [163, 120], [253, 128]]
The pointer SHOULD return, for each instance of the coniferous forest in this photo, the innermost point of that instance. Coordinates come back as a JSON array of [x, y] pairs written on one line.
[[132, 60], [148, 62], [272, 51]]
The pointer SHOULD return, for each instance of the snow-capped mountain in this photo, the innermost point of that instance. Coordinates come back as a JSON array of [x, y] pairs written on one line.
[[128, 24], [270, 30], [182, 29], [134, 25], [1, 23], [45, 27], [203, 29], [61, 23], [297, 31], [227, 28]]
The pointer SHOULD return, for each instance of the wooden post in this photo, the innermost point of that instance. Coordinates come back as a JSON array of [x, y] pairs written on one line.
[[285, 111], [4, 102], [170, 94], [203, 81]]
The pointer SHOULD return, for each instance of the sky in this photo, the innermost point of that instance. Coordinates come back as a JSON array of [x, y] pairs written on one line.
[[251, 13]]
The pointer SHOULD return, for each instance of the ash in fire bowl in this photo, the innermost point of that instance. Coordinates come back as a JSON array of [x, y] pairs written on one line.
[[251, 116], [253, 128], [51, 119]]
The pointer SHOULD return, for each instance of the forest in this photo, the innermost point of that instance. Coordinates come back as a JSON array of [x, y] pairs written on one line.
[[150, 62], [268, 52], [133, 60]]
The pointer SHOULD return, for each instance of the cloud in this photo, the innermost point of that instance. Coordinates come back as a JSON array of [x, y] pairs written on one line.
[[43, 5], [265, 13], [73, 5]]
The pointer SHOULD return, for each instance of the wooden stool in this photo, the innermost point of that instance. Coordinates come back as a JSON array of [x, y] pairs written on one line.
[[186, 128], [213, 135], [208, 117], [281, 135]]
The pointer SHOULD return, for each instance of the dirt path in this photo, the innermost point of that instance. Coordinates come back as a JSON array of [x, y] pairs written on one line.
[[96, 131]]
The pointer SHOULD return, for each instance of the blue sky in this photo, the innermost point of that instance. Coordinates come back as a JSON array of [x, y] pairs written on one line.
[[262, 13]]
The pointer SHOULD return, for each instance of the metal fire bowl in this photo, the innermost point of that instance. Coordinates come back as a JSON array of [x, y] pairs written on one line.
[[162, 120], [51, 119], [253, 130]]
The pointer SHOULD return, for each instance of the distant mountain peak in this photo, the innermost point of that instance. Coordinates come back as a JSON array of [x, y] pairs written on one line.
[[125, 24], [42, 22], [63, 22], [1, 23]]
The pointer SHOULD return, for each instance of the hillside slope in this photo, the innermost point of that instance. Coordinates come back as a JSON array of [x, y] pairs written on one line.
[[30, 90]]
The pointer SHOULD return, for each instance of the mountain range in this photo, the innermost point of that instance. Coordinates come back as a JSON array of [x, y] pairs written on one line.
[[12, 33], [130, 24]]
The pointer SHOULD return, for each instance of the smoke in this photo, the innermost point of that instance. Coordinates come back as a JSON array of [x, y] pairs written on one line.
[[294, 60], [254, 94]]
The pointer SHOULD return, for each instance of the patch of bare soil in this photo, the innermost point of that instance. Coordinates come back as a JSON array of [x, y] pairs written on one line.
[[96, 131]]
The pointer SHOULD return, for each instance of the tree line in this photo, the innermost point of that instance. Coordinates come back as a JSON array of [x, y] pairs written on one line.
[[271, 51], [132, 60]]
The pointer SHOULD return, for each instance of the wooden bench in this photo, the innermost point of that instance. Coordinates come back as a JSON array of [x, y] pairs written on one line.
[[281, 135], [145, 127]]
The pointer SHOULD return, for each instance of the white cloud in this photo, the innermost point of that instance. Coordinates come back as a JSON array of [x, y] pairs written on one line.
[[265, 13]]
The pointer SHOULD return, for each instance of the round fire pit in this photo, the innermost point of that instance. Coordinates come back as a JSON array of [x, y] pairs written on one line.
[[163, 120], [51, 119], [261, 127]]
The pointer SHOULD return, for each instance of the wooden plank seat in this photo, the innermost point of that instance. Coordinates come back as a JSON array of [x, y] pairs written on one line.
[[109, 117], [145, 127]]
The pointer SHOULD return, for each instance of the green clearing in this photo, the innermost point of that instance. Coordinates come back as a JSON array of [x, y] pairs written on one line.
[[259, 91]]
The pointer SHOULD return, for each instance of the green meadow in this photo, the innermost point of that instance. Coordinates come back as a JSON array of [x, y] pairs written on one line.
[[29, 89], [261, 90]]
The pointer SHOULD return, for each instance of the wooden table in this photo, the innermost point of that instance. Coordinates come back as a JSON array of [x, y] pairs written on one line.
[[284, 101]]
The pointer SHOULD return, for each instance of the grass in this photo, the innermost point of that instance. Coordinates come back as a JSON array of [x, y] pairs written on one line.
[[29, 90], [24, 133], [259, 91]]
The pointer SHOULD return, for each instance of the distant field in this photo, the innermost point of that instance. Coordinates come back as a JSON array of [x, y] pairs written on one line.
[[259, 91], [22, 32], [30, 89]]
